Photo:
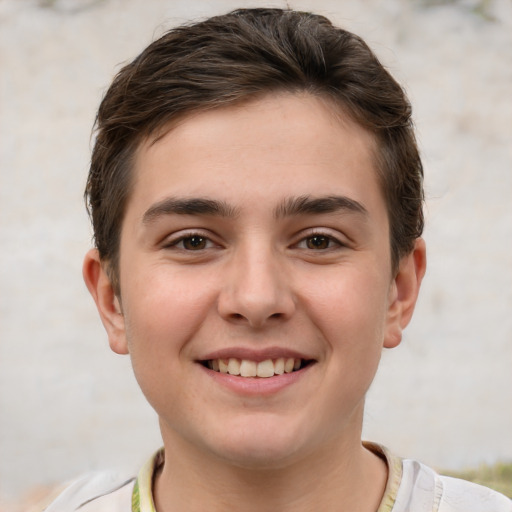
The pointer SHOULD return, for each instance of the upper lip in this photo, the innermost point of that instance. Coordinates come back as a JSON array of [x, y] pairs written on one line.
[[256, 355]]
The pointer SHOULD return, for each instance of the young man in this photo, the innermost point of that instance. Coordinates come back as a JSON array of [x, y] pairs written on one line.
[[256, 196]]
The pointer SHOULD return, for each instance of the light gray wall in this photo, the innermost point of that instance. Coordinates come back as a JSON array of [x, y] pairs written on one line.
[[67, 404]]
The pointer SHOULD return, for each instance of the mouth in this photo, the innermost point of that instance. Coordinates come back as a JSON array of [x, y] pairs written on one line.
[[262, 369]]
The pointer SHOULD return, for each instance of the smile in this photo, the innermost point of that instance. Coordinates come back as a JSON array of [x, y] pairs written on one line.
[[247, 368]]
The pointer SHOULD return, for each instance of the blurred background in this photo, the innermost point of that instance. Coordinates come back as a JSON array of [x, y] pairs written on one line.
[[69, 405]]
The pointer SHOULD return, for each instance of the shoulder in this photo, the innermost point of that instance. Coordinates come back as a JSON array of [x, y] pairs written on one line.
[[460, 495], [422, 489], [104, 491]]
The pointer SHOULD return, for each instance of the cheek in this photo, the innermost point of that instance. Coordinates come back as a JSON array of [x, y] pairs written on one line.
[[348, 301], [162, 314], [163, 310]]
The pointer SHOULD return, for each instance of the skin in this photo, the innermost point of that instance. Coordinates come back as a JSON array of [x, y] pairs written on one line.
[[254, 275]]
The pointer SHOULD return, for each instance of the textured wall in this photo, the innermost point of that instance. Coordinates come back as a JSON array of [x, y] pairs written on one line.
[[67, 404]]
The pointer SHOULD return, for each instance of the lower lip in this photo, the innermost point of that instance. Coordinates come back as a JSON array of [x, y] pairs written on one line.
[[256, 386]]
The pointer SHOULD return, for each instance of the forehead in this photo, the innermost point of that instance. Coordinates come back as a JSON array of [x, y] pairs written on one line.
[[277, 146]]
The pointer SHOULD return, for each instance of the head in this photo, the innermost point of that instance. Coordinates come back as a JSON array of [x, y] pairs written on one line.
[[256, 196], [234, 59]]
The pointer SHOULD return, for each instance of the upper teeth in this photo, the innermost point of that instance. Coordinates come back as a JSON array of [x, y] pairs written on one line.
[[248, 368]]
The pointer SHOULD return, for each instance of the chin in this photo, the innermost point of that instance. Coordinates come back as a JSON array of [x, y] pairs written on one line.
[[259, 458], [260, 447]]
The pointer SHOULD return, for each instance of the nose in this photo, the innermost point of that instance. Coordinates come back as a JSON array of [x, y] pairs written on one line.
[[256, 290]]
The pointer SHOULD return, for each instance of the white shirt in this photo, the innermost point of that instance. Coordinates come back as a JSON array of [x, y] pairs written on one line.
[[411, 487]]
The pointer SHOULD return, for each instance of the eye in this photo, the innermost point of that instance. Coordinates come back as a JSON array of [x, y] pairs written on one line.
[[194, 242], [191, 242], [319, 242]]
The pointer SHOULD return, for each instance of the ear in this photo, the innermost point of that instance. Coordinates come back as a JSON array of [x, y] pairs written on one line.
[[404, 292], [108, 304]]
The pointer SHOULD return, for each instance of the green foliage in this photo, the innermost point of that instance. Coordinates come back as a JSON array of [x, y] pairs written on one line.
[[498, 477], [481, 8], [70, 6]]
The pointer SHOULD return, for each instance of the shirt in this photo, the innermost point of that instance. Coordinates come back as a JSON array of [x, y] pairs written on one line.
[[411, 487]]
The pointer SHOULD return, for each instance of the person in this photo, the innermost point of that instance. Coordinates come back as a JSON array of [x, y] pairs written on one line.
[[256, 196]]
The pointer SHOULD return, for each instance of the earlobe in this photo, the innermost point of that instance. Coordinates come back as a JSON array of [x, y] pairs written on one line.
[[404, 293], [108, 304]]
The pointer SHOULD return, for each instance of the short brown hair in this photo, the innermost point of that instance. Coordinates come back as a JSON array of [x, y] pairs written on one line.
[[237, 57]]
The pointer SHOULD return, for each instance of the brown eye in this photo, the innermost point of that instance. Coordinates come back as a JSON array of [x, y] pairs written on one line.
[[194, 243], [318, 242]]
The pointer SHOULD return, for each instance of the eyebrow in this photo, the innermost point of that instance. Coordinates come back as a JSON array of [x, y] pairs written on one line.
[[192, 206], [307, 205], [302, 205]]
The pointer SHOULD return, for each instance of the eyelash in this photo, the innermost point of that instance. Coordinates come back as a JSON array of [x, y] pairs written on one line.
[[175, 243], [204, 242], [333, 242]]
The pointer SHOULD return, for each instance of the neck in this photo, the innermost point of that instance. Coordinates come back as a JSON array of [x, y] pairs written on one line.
[[341, 476]]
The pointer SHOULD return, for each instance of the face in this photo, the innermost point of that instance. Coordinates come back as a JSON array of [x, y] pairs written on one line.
[[255, 276]]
